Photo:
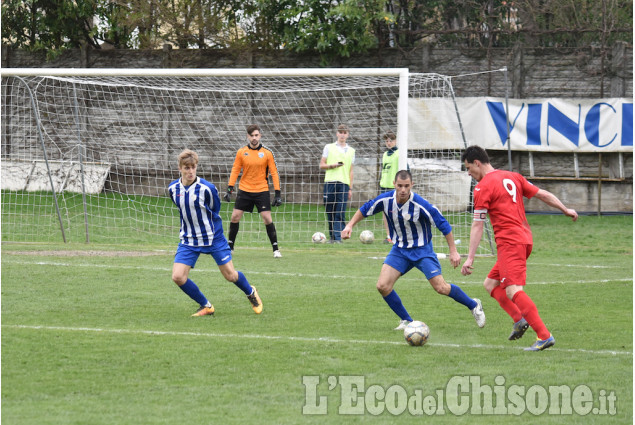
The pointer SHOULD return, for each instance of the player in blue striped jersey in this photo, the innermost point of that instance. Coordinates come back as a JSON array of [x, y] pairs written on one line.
[[410, 219], [202, 233]]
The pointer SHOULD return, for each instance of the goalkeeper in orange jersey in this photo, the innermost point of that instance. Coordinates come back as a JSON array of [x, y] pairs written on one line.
[[256, 163]]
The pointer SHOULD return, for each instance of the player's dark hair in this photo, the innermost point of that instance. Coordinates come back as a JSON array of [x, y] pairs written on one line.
[[474, 152], [403, 175], [252, 128], [390, 136]]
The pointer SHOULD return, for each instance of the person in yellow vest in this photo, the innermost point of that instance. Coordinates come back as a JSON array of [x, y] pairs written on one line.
[[337, 160], [389, 168]]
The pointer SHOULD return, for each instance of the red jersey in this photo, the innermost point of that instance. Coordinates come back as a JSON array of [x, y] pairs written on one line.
[[500, 194]]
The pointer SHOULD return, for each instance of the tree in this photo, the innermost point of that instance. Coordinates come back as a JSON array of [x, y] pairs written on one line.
[[114, 27], [332, 28], [202, 23], [57, 25], [575, 23], [335, 28], [412, 18]]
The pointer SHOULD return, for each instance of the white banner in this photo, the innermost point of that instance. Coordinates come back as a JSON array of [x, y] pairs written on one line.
[[547, 125]]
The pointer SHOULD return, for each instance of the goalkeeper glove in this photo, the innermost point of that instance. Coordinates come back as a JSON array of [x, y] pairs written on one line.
[[228, 195], [277, 200]]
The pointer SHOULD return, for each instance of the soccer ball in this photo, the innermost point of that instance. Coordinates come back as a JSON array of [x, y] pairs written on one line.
[[416, 333], [318, 237], [366, 237]]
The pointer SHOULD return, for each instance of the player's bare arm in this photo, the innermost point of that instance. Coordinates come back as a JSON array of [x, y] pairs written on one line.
[[475, 239], [325, 166], [455, 258], [346, 232], [553, 201]]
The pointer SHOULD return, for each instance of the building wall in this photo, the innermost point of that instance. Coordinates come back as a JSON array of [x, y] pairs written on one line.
[[533, 72]]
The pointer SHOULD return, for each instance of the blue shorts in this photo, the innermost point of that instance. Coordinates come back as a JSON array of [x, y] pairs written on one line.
[[188, 255], [423, 258]]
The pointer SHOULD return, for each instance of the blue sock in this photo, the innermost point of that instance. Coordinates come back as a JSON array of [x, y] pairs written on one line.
[[394, 302], [459, 296], [243, 284], [193, 292]]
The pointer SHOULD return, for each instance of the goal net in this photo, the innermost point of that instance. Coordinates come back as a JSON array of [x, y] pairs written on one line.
[[90, 157]]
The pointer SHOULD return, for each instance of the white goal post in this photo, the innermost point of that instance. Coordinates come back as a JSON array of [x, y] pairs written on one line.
[[87, 154]]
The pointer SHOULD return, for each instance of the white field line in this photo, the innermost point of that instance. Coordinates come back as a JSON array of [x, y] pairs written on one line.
[[583, 266], [302, 339], [321, 277]]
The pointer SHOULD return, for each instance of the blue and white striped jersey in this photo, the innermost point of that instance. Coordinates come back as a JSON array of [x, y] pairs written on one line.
[[199, 205], [410, 224]]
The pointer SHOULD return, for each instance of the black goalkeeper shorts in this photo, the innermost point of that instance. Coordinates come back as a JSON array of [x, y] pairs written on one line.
[[245, 201]]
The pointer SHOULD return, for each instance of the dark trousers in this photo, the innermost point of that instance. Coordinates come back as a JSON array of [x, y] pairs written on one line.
[[335, 201]]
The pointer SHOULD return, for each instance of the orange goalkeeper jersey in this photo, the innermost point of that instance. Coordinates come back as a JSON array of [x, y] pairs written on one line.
[[256, 165]]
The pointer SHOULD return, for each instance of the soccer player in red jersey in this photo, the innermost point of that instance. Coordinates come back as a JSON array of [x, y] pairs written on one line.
[[499, 194]]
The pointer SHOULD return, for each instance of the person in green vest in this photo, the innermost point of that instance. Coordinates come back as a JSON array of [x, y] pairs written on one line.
[[389, 169], [337, 161]]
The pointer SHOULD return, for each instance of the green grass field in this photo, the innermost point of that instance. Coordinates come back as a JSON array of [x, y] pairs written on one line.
[[98, 334]]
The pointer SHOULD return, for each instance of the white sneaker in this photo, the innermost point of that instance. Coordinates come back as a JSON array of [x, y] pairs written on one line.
[[478, 313], [277, 254], [402, 325]]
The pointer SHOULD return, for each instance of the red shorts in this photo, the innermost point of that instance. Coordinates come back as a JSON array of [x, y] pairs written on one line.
[[511, 265]]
